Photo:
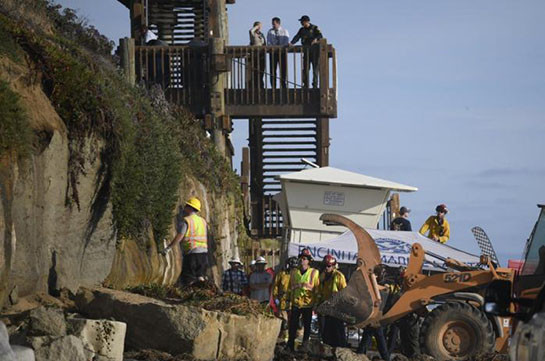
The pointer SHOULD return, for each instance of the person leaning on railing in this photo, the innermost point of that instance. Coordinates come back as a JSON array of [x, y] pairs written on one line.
[[309, 34], [258, 66]]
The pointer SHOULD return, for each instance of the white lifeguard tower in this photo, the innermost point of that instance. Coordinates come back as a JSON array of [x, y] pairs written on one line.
[[309, 193]]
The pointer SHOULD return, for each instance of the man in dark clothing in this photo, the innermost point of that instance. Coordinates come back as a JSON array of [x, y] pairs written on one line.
[[309, 35], [402, 223], [377, 331]]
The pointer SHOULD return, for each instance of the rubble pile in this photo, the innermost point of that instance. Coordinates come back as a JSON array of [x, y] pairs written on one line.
[[184, 328], [206, 296], [58, 336]]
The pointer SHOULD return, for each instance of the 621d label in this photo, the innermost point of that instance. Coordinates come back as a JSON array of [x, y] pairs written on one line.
[[457, 277]]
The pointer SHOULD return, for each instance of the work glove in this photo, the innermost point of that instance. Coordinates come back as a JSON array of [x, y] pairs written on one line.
[[165, 251]]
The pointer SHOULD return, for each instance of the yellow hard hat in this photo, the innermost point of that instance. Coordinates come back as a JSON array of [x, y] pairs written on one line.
[[194, 203]]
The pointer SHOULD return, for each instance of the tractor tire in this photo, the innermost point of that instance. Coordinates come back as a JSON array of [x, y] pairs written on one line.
[[527, 343], [456, 331]]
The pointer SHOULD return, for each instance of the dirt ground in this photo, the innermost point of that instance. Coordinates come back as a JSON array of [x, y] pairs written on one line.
[[154, 355]]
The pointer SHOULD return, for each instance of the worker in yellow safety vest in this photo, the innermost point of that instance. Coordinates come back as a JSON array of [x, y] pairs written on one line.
[[281, 294], [304, 281], [192, 233], [331, 281], [438, 226]]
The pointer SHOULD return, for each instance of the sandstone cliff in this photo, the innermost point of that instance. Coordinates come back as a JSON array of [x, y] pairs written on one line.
[[92, 171]]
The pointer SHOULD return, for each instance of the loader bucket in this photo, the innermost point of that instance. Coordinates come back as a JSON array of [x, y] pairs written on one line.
[[352, 305], [360, 300]]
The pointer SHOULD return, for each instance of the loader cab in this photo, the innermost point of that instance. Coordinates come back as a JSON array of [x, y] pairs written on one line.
[[529, 285], [526, 295]]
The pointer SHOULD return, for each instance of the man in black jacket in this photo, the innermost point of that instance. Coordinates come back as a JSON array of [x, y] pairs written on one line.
[[309, 35], [402, 223]]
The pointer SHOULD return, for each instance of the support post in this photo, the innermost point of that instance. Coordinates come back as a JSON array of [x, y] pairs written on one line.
[[322, 142], [217, 101], [126, 50], [394, 206], [245, 177], [324, 77], [256, 175], [138, 17]]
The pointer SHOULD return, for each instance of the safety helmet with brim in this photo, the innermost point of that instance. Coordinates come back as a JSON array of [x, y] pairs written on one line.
[[194, 203]]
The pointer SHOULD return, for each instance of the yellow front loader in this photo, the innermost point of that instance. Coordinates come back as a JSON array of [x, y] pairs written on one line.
[[454, 327]]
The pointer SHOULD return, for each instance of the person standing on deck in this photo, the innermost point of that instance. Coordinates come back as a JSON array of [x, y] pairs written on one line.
[[258, 64], [309, 34], [278, 36]]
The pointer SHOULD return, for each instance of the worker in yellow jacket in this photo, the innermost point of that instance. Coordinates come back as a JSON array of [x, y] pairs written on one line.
[[281, 294], [438, 226], [192, 233], [331, 281], [304, 281]]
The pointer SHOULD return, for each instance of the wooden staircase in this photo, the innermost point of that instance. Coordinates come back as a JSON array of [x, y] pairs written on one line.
[[276, 148], [179, 21]]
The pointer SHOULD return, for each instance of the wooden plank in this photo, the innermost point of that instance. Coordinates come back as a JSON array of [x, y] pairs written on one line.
[[322, 139]]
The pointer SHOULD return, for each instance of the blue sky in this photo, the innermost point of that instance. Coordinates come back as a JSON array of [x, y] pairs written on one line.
[[448, 96]]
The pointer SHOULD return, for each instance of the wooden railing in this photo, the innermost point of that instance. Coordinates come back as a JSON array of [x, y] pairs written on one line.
[[264, 81]]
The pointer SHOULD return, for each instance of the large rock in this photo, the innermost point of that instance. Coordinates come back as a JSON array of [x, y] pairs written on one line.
[[103, 338], [346, 354], [23, 353], [66, 348], [47, 322], [205, 335], [6, 353]]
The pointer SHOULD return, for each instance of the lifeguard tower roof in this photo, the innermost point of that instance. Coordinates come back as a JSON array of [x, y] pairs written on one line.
[[309, 193], [331, 175]]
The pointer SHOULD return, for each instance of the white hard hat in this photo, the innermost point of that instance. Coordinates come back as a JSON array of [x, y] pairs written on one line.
[[235, 260], [252, 263], [260, 260]]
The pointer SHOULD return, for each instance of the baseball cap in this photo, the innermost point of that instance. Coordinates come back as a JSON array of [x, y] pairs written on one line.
[[304, 18], [404, 210]]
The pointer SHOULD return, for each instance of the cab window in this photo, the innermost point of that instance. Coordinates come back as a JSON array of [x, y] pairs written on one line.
[[535, 253]]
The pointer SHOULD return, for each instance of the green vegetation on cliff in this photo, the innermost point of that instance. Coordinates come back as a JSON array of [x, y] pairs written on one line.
[[15, 132], [150, 147]]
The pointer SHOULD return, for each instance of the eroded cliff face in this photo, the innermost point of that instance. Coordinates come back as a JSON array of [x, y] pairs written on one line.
[[138, 261], [49, 242]]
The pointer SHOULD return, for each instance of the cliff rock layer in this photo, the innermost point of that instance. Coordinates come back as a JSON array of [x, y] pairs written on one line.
[[93, 172]]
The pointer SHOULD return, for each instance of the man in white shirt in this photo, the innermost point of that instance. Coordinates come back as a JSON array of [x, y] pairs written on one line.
[[260, 282], [278, 36]]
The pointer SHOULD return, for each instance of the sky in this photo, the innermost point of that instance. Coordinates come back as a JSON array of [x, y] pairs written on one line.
[[447, 96]]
